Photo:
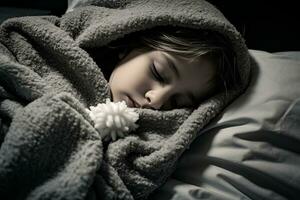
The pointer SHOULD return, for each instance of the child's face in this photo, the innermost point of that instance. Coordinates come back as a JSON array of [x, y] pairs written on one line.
[[146, 79]]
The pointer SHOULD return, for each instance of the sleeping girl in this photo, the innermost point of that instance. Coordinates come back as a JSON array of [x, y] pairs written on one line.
[[172, 68], [177, 62]]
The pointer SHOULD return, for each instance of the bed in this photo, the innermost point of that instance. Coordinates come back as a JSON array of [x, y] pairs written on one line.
[[251, 150]]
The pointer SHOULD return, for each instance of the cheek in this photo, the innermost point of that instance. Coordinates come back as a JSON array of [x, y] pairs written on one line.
[[128, 77]]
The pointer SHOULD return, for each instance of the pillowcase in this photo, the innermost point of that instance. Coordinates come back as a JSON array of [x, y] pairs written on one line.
[[252, 150]]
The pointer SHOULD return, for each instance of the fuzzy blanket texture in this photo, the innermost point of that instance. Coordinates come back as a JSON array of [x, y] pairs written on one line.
[[49, 146]]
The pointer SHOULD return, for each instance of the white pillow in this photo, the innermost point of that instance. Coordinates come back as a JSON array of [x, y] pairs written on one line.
[[252, 150]]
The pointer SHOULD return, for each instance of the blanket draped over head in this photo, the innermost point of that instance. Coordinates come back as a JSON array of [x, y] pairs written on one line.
[[49, 146]]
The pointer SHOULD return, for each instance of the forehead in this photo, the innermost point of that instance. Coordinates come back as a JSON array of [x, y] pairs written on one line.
[[194, 73], [193, 69]]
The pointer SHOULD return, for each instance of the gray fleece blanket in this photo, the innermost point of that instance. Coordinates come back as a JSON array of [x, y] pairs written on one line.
[[49, 146]]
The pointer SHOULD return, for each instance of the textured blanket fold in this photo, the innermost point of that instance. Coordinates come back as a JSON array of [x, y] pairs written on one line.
[[49, 147]]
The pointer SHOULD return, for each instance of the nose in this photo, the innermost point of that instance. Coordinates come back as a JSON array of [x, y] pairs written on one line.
[[158, 97]]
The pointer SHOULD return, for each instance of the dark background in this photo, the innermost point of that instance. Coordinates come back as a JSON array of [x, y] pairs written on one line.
[[266, 25]]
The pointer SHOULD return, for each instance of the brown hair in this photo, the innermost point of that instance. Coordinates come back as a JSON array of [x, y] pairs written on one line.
[[189, 44]]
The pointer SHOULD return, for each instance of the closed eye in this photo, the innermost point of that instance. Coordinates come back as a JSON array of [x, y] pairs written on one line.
[[156, 74]]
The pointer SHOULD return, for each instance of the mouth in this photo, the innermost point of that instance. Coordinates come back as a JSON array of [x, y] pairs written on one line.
[[131, 103]]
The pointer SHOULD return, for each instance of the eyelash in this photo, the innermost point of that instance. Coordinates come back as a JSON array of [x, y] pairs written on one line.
[[174, 103], [156, 74]]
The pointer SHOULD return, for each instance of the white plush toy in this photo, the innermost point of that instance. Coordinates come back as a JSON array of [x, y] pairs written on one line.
[[113, 119]]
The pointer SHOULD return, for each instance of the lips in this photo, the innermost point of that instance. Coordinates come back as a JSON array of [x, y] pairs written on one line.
[[130, 102]]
